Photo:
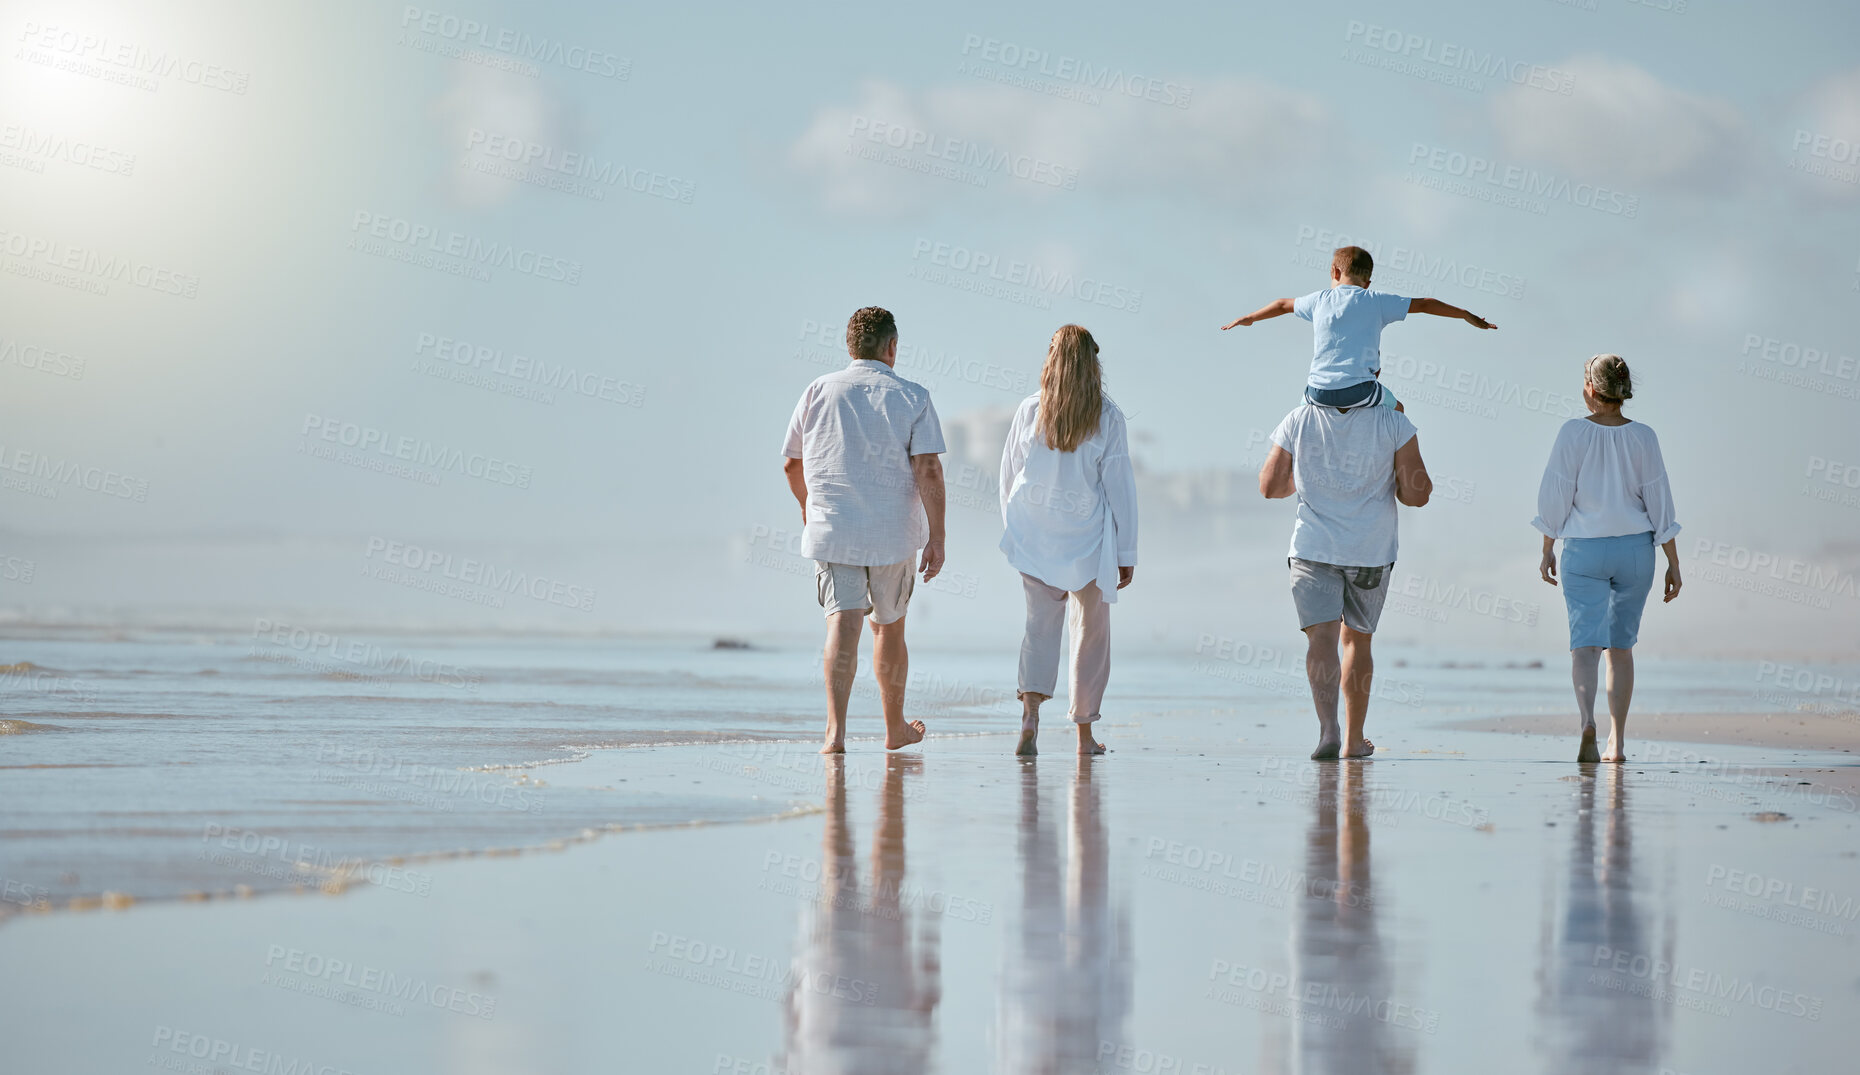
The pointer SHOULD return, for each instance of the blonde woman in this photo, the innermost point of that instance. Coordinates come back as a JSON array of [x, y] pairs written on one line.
[[1069, 504], [1606, 495]]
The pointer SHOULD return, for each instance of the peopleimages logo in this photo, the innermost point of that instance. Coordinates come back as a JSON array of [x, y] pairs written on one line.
[[1423, 49], [559, 169], [33, 143], [528, 370], [962, 262], [1483, 173], [1768, 565], [82, 52], [68, 473], [95, 269], [368, 441], [429, 241], [962, 153], [1677, 979], [28, 356], [472, 572], [472, 33], [1795, 356], [1031, 61], [219, 1054], [338, 979]]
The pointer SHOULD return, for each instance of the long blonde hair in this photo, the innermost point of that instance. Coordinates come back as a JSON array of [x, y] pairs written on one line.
[[1071, 389]]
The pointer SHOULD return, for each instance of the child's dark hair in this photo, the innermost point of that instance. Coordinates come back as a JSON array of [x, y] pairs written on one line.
[[1352, 263]]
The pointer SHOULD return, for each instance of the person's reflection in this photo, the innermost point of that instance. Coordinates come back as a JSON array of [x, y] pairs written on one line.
[[866, 980], [1348, 1018], [1067, 989], [1595, 1020]]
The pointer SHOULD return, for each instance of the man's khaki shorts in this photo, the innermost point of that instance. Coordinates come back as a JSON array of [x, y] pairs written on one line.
[[1326, 592], [884, 591]]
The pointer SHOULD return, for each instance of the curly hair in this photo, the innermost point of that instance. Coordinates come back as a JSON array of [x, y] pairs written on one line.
[[1609, 376], [1071, 389], [868, 331]]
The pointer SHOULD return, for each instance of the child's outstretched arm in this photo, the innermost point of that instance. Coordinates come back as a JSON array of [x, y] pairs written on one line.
[[1271, 309], [1447, 309]]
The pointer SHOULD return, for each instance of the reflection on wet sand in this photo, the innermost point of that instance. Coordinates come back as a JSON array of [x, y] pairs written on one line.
[[1349, 1021], [1066, 988], [1586, 1023], [866, 978]]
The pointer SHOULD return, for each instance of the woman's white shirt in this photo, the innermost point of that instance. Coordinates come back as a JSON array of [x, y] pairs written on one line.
[[1070, 517], [1605, 481]]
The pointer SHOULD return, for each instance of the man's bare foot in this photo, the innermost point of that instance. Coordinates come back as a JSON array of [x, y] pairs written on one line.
[[905, 736], [1029, 731], [1586, 752], [1088, 744], [1361, 749], [1327, 750], [1614, 753], [834, 748]]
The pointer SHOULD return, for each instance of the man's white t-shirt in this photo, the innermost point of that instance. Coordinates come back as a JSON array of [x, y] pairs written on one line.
[[854, 432], [1343, 463], [1346, 332]]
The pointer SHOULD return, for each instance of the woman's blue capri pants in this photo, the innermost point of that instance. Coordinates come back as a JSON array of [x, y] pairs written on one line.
[[1605, 583]]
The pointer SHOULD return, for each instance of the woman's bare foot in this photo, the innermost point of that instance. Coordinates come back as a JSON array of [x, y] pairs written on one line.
[[834, 747], [1586, 752], [1029, 731], [1029, 724], [1614, 753], [905, 735], [1088, 744], [1361, 749]]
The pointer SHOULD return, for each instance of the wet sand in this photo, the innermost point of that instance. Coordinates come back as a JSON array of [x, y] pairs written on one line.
[[1204, 899], [1783, 736]]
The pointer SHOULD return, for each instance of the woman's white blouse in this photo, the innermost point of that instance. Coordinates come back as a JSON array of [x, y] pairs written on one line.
[[1071, 517], [1605, 481]]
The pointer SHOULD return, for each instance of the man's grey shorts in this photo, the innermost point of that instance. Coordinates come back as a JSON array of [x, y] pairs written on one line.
[[884, 590], [1326, 592]]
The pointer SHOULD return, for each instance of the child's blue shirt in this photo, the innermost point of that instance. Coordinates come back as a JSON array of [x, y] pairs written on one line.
[[1346, 332]]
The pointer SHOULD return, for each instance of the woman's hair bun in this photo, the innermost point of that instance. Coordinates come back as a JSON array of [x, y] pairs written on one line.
[[1609, 376]]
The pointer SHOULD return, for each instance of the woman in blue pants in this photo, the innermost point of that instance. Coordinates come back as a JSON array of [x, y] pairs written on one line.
[[1605, 494]]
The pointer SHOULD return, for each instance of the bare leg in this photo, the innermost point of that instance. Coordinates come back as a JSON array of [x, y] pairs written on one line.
[[892, 663], [1359, 669], [1087, 743], [1029, 723], [1324, 671], [1584, 663], [840, 661], [1620, 693]]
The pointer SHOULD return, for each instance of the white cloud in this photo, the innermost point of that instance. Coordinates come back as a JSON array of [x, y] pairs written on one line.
[[498, 103], [1620, 123], [1238, 137], [1824, 143]]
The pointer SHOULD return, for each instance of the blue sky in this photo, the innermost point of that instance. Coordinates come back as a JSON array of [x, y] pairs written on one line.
[[750, 175]]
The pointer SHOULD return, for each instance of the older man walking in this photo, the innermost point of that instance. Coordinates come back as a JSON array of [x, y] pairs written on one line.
[[861, 457], [1348, 466]]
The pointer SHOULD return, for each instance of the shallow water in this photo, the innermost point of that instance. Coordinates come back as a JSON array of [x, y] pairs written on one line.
[[161, 764]]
